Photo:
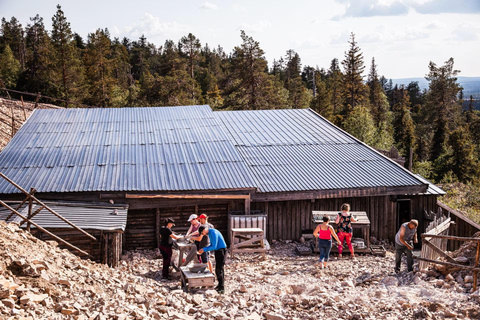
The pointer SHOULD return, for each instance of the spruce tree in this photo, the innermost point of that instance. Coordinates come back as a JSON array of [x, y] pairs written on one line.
[[354, 92], [13, 35], [404, 128], [442, 103], [66, 59], [9, 68], [378, 105]]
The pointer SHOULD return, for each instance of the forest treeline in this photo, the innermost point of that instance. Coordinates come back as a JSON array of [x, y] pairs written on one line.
[[430, 126]]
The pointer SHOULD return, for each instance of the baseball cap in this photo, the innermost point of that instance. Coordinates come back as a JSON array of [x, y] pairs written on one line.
[[192, 216], [169, 220], [202, 216]]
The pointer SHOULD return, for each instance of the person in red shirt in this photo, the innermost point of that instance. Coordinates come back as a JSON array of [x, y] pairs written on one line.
[[324, 233]]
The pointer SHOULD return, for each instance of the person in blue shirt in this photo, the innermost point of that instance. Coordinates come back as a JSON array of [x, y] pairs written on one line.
[[218, 245]]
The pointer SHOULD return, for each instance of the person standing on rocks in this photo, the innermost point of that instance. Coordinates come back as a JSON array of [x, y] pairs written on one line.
[[345, 231], [218, 245], [324, 233], [404, 244], [203, 241], [166, 244]]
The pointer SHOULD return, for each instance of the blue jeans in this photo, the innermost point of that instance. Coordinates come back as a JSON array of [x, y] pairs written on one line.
[[324, 246]]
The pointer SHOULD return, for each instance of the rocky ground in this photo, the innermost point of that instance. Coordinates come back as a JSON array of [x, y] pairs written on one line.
[[40, 281]]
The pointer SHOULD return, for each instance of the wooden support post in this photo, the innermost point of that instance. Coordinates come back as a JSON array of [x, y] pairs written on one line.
[[247, 206], [157, 227], [13, 119], [46, 207], [23, 108], [18, 207], [475, 273], [30, 205], [38, 98], [44, 230]]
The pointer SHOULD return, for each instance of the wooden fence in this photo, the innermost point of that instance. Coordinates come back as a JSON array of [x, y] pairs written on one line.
[[433, 248]]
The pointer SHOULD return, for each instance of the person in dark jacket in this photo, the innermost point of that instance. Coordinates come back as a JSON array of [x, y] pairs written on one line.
[[166, 244], [218, 245]]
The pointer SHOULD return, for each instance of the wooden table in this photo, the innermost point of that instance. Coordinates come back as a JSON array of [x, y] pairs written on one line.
[[184, 247], [362, 223], [195, 280], [251, 240]]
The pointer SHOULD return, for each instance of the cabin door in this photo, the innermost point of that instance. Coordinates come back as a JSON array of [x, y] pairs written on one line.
[[404, 212]]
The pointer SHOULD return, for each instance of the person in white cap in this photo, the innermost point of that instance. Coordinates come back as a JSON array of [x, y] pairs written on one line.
[[194, 225]]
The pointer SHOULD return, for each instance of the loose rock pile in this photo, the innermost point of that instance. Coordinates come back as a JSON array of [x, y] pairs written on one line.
[[40, 281]]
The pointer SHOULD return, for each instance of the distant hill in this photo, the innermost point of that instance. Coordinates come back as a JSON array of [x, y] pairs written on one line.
[[471, 87]]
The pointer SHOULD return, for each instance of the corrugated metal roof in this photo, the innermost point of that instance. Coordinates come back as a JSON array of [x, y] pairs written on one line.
[[298, 150], [432, 188], [84, 217], [128, 149]]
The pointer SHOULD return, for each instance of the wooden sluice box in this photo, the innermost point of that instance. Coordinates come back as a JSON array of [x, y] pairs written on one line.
[[360, 245]]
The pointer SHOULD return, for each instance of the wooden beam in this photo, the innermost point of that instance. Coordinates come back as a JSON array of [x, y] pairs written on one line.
[[44, 230], [426, 235], [449, 264], [439, 251], [340, 193], [186, 196], [458, 214], [47, 208]]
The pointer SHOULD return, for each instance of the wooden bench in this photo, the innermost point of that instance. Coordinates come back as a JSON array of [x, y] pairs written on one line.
[[194, 280], [251, 240]]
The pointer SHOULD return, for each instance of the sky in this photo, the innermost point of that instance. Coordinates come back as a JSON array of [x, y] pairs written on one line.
[[402, 35]]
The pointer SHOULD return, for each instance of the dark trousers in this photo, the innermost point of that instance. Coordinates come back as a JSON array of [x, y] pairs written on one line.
[[219, 266], [399, 250], [167, 259]]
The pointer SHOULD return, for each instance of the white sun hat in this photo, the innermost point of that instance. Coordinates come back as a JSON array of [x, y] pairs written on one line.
[[192, 216]]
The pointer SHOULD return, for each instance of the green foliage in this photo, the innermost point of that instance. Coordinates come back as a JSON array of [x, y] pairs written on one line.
[[425, 169], [322, 102], [354, 90], [9, 68], [464, 197], [464, 162], [404, 128], [359, 123], [442, 103]]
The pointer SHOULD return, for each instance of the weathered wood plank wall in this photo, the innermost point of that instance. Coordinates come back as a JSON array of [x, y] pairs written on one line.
[[106, 250]]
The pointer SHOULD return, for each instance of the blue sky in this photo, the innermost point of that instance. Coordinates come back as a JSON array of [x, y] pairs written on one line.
[[402, 35]]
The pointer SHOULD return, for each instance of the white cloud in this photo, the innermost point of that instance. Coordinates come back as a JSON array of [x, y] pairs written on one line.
[[447, 6], [152, 27], [209, 6], [260, 26], [371, 8], [465, 32]]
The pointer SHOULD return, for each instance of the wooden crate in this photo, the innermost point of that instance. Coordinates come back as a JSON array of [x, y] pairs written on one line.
[[378, 250], [196, 280]]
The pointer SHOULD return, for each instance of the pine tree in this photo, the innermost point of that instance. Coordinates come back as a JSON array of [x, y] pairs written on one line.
[[321, 103], [66, 59], [378, 105], [99, 68], [354, 92], [250, 87], [13, 35], [404, 128], [359, 123], [9, 68], [334, 85], [464, 163], [38, 76], [442, 103]]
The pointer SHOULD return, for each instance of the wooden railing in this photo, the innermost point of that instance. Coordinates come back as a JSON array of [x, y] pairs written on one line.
[[434, 244]]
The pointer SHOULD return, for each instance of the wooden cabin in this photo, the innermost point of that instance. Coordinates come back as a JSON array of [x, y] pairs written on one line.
[[174, 161]]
